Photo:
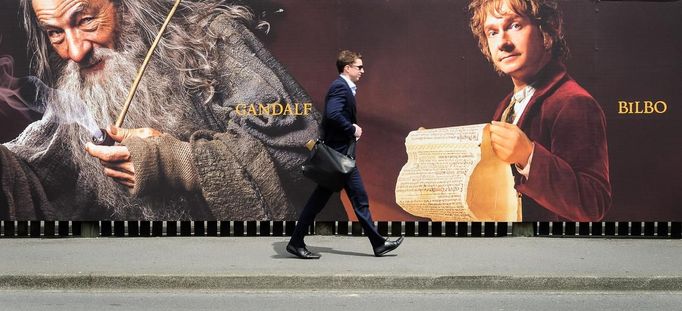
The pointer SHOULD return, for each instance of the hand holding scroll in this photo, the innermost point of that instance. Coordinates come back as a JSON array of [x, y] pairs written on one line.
[[510, 144]]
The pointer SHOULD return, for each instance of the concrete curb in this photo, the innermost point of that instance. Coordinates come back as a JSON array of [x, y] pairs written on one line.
[[341, 282]]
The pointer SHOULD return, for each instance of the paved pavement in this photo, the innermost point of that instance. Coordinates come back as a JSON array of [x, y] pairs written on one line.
[[510, 263]]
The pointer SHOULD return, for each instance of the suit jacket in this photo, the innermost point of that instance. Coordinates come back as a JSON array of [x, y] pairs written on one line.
[[569, 172], [339, 116]]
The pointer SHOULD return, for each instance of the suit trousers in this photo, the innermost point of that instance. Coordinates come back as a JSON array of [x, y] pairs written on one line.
[[358, 198]]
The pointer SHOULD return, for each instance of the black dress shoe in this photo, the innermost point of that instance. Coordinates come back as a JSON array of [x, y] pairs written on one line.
[[302, 252], [387, 247]]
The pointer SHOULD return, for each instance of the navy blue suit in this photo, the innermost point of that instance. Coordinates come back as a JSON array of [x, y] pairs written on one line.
[[339, 132]]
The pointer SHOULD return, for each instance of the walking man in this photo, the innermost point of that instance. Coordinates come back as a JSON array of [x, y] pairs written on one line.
[[340, 132]]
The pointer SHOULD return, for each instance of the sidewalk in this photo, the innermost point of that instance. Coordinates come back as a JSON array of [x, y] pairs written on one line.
[[420, 263]]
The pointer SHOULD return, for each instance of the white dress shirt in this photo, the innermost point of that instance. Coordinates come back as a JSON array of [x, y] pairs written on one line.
[[352, 85]]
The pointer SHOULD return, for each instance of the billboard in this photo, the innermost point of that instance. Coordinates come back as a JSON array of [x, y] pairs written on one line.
[[229, 153]]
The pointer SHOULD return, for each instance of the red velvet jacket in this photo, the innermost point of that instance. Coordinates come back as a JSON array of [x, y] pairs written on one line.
[[569, 173]]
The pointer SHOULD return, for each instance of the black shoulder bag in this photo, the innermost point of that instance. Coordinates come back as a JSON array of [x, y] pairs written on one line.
[[328, 167]]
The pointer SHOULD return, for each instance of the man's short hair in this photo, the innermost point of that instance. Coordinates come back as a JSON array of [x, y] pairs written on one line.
[[346, 57], [543, 13]]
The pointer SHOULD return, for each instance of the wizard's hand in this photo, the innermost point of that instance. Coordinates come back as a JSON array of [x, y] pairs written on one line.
[[116, 159]]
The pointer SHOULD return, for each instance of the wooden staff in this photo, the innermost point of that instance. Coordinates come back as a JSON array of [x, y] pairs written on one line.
[[140, 72]]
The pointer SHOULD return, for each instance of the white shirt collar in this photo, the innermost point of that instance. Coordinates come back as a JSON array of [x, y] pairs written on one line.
[[522, 99], [352, 85]]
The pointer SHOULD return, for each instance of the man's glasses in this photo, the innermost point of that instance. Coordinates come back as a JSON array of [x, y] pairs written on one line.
[[358, 67]]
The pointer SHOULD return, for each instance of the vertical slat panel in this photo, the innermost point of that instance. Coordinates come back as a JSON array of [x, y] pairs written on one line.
[[277, 228], [423, 228], [649, 228], [49, 229], [676, 230], [342, 227], [133, 229], [356, 228], [635, 229], [9, 229], [382, 227], [145, 228], [64, 228], [157, 228], [502, 229], [543, 228], [35, 228], [569, 229], [662, 230], [584, 228], [172, 228], [119, 228], [396, 228], [610, 228], [238, 227], [436, 229], [289, 228], [22, 228], [410, 228], [462, 229], [251, 228], [76, 228], [450, 228], [225, 228], [597, 228], [623, 228], [105, 228], [212, 228], [199, 229], [185, 228], [264, 228], [476, 229], [557, 228], [489, 229]]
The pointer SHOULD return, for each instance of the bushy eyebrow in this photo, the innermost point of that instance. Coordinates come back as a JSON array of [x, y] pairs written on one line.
[[79, 8]]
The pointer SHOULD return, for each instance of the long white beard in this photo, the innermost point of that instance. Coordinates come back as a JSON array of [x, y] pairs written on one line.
[[104, 92]]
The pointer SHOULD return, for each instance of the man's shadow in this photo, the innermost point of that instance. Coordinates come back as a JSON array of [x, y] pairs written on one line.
[[281, 252]]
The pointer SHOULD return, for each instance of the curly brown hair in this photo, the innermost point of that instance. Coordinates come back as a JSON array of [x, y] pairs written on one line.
[[543, 13]]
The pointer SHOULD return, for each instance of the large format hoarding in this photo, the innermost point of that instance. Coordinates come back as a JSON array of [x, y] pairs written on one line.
[[237, 103]]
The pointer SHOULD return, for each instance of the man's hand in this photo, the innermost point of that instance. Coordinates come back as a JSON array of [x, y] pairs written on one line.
[[510, 144], [358, 131], [116, 159]]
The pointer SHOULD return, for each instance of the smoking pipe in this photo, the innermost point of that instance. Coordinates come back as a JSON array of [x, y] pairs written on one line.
[[103, 139]]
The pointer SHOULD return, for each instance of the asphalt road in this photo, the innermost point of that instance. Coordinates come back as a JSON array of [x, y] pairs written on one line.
[[337, 300]]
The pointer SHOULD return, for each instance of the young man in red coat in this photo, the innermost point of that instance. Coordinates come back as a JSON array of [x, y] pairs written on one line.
[[549, 128]]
